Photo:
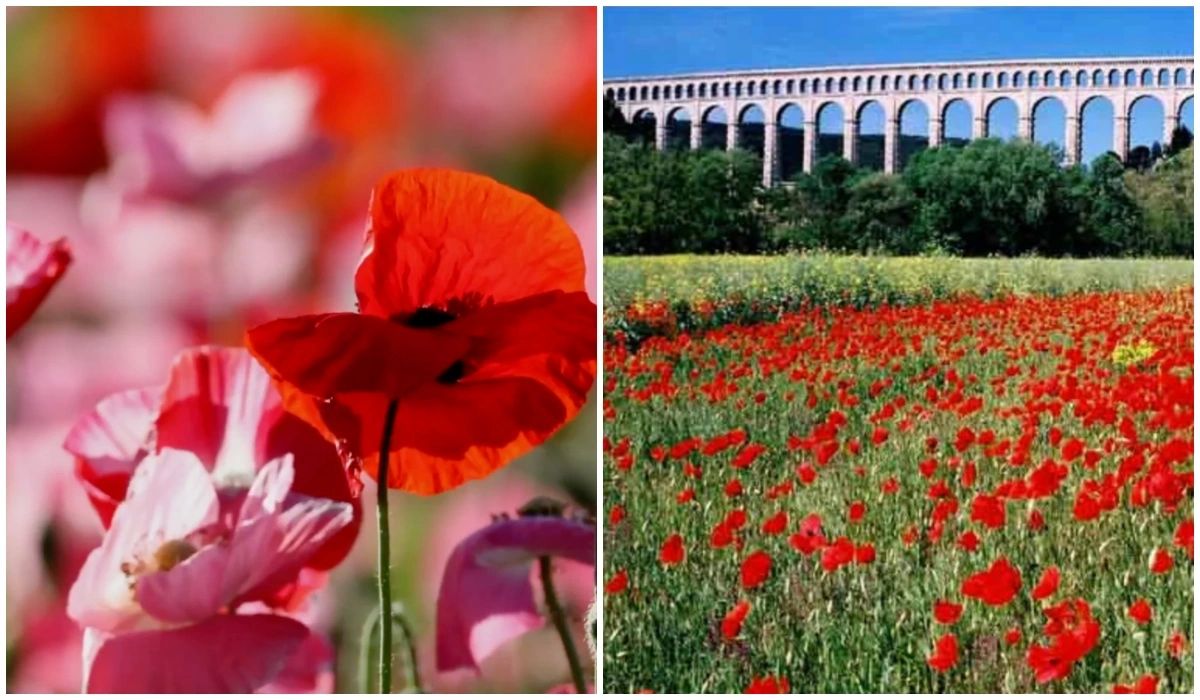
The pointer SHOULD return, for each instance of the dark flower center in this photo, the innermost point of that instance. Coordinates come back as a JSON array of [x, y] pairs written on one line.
[[453, 373], [426, 317]]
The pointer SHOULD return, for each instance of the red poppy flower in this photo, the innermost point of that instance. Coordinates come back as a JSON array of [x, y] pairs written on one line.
[[672, 550], [945, 653], [988, 510], [1012, 637], [32, 268], [947, 613], [775, 524], [1177, 644], [685, 496], [857, 510], [767, 685], [968, 541], [756, 569], [1140, 611], [864, 553], [731, 626], [995, 586], [1183, 536], [1047, 585], [733, 488], [616, 515], [618, 583], [473, 326], [1146, 685], [1161, 561]]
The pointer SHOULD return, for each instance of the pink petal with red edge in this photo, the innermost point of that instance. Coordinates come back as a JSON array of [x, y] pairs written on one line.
[[486, 597], [217, 404], [170, 497], [108, 442], [32, 268], [224, 654]]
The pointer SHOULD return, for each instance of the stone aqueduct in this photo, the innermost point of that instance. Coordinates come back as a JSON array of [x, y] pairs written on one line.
[[937, 86]]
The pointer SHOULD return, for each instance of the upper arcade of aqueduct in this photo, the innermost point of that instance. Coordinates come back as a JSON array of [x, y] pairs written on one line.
[[978, 84]]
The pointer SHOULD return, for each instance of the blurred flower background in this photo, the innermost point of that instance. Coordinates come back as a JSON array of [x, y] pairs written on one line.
[[210, 169]]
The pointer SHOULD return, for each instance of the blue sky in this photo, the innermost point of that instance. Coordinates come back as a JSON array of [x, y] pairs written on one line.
[[651, 41]]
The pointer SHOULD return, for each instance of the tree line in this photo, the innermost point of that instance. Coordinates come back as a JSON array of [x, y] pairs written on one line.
[[985, 197]]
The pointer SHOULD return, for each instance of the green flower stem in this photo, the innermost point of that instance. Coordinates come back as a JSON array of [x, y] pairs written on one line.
[[385, 551], [560, 624]]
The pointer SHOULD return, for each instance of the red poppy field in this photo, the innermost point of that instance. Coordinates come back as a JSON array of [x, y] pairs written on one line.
[[964, 495]]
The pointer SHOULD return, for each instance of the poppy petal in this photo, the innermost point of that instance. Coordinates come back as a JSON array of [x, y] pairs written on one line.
[[327, 354], [486, 595], [220, 405], [224, 654], [108, 442], [431, 453], [454, 241], [32, 268]]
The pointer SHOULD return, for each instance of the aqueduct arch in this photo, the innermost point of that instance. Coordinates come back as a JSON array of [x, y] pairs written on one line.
[[948, 93]]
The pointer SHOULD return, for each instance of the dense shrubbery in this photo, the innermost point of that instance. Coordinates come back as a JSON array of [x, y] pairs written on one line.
[[985, 198]]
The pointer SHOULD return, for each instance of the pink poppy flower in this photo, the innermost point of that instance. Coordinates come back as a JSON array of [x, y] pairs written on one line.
[[487, 597], [175, 565], [219, 405], [261, 128], [32, 268]]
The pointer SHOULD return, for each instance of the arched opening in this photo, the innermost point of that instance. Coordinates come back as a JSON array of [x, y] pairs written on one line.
[[958, 81], [1018, 80], [927, 83], [1146, 121], [1164, 77], [830, 130], [1002, 80], [714, 129], [972, 81], [868, 146], [750, 89], [857, 84], [941, 82], [691, 90], [679, 130], [912, 83], [1096, 127], [829, 85], [1002, 119], [1050, 79], [987, 81], [791, 141], [610, 95], [1065, 79], [1035, 80], [1050, 124], [842, 85], [1130, 78], [914, 131], [751, 130], [1186, 116], [803, 86], [1114, 78], [703, 90], [643, 125], [1147, 78], [1097, 78], [870, 83], [956, 123], [654, 93], [1180, 76], [816, 86]]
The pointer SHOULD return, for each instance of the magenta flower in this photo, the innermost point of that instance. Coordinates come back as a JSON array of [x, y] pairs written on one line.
[[263, 127], [487, 598], [174, 567], [32, 268], [219, 405]]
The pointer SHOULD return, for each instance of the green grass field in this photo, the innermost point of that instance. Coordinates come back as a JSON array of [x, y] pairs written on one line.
[[936, 416]]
